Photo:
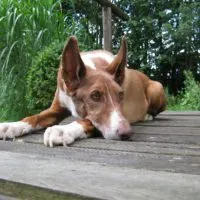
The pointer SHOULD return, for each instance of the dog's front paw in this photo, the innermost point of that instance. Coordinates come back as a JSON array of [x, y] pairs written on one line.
[[13, 129], [56, 135], [63, 134], [148, 117]]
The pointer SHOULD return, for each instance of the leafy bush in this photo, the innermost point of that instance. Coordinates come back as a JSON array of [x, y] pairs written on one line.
[[41, 78], [26, 28], [188, 99]]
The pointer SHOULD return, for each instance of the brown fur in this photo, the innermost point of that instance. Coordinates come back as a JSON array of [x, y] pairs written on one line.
[[49, 117], [109, 80]]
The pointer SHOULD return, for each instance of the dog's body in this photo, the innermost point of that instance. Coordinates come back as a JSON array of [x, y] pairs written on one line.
[[96, 87]]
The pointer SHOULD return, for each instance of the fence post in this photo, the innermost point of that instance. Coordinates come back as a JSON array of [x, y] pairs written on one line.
[[107, 28]]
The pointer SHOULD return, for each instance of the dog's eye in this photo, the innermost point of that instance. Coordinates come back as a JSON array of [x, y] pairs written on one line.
[[121, 95], [96, 95]]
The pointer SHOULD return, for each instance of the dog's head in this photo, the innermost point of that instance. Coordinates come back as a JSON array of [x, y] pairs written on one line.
[[97, 93]]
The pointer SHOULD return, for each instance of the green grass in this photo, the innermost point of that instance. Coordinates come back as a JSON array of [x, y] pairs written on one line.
[[27, 27], [24, 191], [188, 99]]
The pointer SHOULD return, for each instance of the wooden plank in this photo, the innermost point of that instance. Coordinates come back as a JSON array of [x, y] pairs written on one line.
[[169, 148], [107, 28], [159, 122], [116, 10], [189, 131], [96, 179], [147, 160], [144, 137], [141, 147], [162, 160], [168, 138], [179, 117], [181, 113]]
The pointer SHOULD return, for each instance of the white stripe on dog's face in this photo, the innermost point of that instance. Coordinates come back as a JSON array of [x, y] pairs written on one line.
[[114, 125], [114, 120]]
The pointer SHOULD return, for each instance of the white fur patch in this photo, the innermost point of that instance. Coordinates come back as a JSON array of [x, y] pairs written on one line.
[[109, 131], [114, 121], [103, 55], [66, 102], [88, 62], [148, 117], [15, 129], [108, 57], [63, 134]]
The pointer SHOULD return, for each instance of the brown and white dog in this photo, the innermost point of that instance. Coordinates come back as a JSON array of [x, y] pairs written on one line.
[[97, 87]]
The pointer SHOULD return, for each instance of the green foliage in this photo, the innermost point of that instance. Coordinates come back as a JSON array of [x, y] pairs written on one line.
[[188, 99], [41, 78], [163, 38], [27, 27]]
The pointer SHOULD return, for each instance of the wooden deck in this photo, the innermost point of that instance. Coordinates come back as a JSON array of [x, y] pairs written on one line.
[[162, 162]]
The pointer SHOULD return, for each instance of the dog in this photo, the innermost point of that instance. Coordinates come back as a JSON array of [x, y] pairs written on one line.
[[98, 89]]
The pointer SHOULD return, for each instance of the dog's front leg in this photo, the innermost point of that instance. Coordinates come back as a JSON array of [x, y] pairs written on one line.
[[46, 118], [67, 134]]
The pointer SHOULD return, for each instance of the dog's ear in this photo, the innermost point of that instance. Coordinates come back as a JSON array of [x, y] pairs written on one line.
[[117, 66], [73, 68]]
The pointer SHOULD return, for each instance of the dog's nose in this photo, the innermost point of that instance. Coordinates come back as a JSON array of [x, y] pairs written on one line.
[[125, 133], [124, 137]]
